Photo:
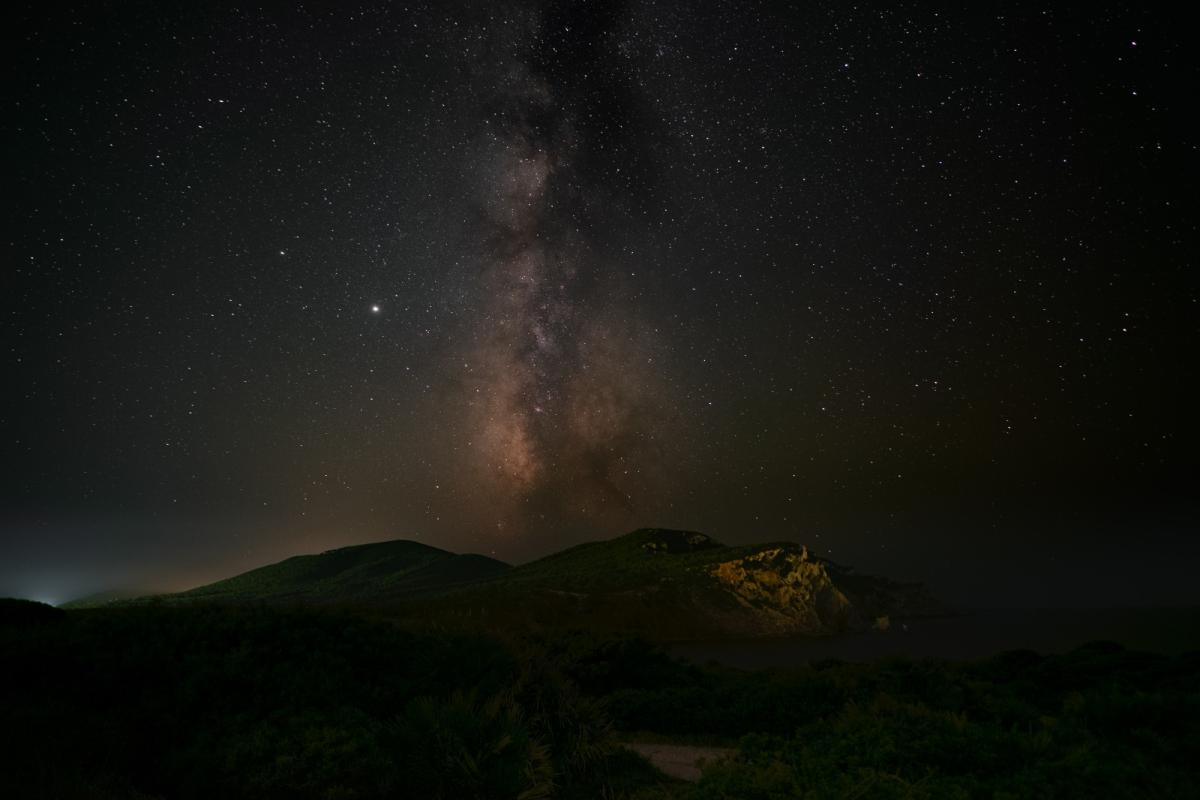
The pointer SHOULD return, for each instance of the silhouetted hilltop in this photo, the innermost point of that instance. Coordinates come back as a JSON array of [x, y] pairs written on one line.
[[665, 584], [106, 597], [670, 584], [380, 572], [376, 572]]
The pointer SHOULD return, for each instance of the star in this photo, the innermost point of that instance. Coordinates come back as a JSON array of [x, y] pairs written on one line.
[[374, 309]]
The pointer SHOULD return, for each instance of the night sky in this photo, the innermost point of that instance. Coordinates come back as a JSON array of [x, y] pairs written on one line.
[[912, 284]]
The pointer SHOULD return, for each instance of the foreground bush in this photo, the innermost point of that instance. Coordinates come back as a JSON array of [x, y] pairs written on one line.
[[155, 702]]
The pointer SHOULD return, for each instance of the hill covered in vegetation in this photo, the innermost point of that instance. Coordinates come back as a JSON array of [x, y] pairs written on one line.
[[381, 572], [667, 584], [663, 584], [377, 572]]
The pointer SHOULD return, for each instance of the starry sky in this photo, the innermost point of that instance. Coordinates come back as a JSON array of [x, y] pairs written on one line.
[[911, 283]]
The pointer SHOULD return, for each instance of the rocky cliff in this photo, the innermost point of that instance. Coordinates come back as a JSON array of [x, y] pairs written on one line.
[[669, 584], [782, 590]]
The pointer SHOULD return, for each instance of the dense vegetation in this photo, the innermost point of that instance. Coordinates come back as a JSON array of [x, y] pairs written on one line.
[[158, 701]]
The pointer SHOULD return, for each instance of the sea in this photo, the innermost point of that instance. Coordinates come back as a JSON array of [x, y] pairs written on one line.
[[967, 636]]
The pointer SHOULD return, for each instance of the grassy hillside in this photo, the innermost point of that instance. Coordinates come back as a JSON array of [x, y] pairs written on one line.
[[670, 585], [648, 555], [663, 584], [379, 572]]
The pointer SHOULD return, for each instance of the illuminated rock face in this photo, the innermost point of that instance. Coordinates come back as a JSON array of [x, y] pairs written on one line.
[[786, 591]]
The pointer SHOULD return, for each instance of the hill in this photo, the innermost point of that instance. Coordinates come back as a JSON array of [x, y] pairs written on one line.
[[381, 572], [668, 584], [378, 572], [662, 584], [107, 597]]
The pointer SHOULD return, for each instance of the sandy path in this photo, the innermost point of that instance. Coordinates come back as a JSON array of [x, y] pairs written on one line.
[[679, 760]]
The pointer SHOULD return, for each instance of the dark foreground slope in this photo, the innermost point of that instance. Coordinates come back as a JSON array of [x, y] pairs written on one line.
[[219, 700]]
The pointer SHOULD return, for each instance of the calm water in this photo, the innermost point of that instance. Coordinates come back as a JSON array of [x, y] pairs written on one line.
[[974, 635]]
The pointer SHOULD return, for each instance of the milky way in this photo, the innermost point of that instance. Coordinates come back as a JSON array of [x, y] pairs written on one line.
[[564, 396], [914, 285]]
